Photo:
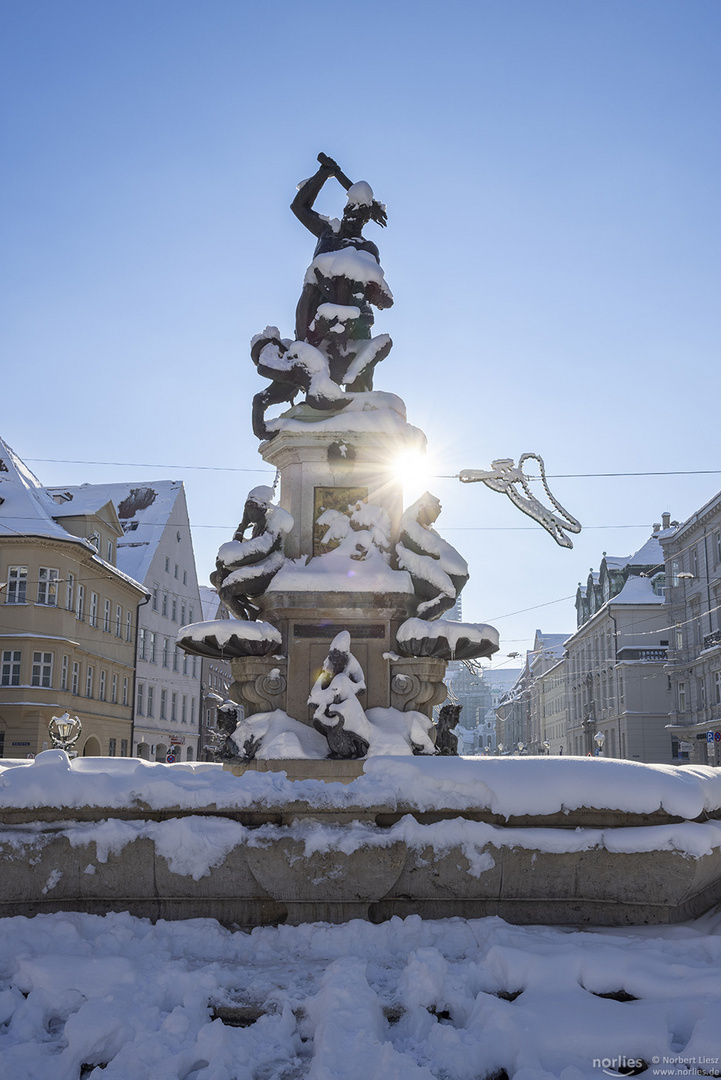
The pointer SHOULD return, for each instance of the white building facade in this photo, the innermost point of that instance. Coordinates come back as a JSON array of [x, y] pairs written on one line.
[[156, 549]]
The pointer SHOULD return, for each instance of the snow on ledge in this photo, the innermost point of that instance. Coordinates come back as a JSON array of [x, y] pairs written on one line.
[[506, 786]]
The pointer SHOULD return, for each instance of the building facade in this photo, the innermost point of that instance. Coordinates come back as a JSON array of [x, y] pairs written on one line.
[[692, 552], [68, 619], [617, 685]]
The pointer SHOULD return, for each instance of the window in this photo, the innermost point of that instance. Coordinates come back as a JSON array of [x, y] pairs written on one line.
[[95, 541], [112, 747], [174, 706], [69, 587], [64, 674], [101, 692], [694, 562], [718, 546], [163, 703], [150, 700], [123, 747], [165, 605], [93, 609], [47, 586], [153, 642], [125, 691], [141, 643], [176, 571], [106, 617], [166, 646], [182, 614], [141, 700], [185, 663], [682, 697], [175, 658], [167, 564], [155, 597], [89, 681], [190, 615], [11, 668], [679, 637], [17, 587], [717, 687], [174, 610], [118, 621], [702, 692], [675, 571], [42, 669], [192, 711], [184, 710], [195, 673], [658, 581], [129, 627], [185, 577], [75, 684], [189, 754], [110, 551], [114, 689], [80, 612]]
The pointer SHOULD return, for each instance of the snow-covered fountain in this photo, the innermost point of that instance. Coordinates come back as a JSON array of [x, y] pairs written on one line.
[[338, 646], [333, 801]]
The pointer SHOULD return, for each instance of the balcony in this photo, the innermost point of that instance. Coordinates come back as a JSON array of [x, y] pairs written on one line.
[[643, 654], [711, 640]]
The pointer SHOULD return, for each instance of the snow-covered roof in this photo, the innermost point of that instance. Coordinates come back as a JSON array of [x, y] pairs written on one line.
[[143, 508], [637, 590], [649, 554], [27, 508]]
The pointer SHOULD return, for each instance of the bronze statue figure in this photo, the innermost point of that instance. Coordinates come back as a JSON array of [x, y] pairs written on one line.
[[333, 344]]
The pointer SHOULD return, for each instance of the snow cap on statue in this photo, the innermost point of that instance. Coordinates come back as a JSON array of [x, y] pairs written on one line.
[[360, 194], [262, 495]]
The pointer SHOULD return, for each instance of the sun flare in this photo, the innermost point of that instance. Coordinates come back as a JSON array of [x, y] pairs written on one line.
[[413, 469]]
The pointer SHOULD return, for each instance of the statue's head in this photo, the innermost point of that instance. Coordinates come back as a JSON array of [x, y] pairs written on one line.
[[359, 207]]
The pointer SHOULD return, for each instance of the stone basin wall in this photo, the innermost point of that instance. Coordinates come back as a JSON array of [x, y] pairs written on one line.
[[295, 863]]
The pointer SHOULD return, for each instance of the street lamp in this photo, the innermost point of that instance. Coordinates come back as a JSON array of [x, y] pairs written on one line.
[[599, 738], [65, 731]]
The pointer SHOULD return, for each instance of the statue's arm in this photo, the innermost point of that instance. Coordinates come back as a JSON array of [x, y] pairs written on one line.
[[302, 205]]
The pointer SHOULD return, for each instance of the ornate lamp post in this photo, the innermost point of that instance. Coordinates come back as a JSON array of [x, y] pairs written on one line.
[[65, 731], [599, 738]]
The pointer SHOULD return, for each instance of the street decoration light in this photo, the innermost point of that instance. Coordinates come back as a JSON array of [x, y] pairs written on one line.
[[599, 738], [508, 478]]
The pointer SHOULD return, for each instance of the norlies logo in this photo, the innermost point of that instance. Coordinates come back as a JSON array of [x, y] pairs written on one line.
[[620, 1066]]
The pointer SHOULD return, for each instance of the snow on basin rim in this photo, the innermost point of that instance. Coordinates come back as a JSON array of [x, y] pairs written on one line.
[[505, 786]]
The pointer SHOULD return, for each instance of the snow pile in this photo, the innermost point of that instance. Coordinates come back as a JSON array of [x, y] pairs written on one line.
[[357, 266], [357, 532], [373, 411], [406, 1000], [229, 637], [275, 735], [506, 786], [446, 639]]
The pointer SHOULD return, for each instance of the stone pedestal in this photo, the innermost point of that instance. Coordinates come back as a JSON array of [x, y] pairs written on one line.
[[331, 461], [349, 454]]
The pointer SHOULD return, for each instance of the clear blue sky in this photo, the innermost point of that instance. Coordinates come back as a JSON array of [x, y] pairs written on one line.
[[551, 169]]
